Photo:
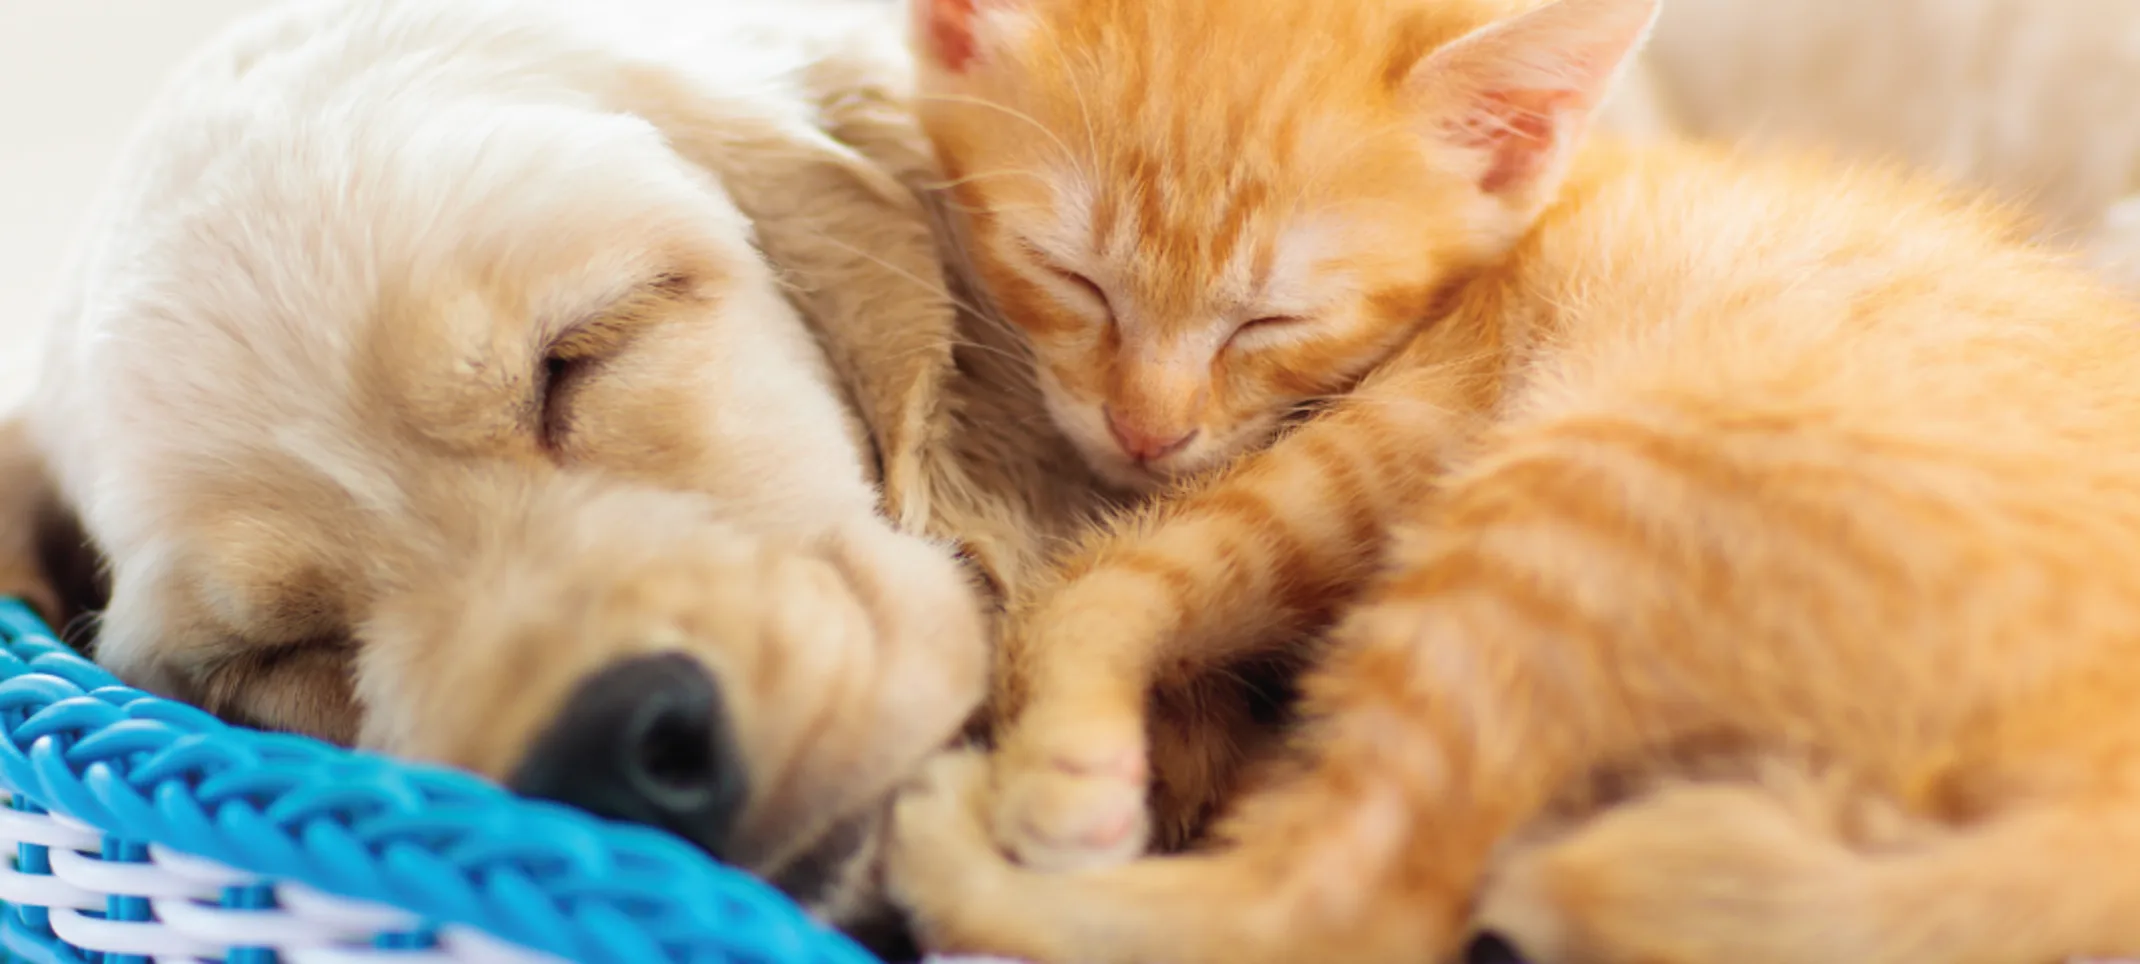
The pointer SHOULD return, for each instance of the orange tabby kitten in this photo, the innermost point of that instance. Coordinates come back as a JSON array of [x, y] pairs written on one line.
[[1195, 255], [1821, 471]]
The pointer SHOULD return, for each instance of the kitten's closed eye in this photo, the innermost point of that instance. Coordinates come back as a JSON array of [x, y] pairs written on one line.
[[1266, 324], [1071, 278], [1087, 285]]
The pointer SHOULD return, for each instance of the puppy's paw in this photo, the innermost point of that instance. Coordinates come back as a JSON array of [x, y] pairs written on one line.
[[939, 863], [1070, 793]]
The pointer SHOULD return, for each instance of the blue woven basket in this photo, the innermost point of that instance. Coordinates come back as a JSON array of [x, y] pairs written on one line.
[[146, 830]]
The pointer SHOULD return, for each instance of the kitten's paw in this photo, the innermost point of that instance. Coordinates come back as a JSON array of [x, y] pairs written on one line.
[[1072, 797]]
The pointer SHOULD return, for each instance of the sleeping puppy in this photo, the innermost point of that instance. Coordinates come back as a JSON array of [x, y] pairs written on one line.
[[514, 386]]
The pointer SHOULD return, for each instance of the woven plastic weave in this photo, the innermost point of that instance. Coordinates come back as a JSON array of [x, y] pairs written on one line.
[[143, 830]]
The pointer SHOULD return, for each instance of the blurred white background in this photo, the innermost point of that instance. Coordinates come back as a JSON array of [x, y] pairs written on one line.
[[74, 76]]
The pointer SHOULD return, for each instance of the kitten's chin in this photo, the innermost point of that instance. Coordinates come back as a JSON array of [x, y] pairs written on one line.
[[1096, 448], [1129, 477], [1123, 474], [1139, 478]]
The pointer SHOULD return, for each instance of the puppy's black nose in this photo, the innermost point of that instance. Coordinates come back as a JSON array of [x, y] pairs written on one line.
[[646, 741]]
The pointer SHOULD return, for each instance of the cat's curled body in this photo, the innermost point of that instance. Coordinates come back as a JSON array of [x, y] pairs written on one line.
[[1825, 472]]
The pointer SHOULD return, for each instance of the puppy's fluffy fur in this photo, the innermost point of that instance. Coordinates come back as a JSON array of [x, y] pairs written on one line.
[[426, 357]]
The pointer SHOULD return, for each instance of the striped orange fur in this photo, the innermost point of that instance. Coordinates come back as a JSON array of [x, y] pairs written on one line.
[[1144, 258], [1768, 527], [1211, 297]]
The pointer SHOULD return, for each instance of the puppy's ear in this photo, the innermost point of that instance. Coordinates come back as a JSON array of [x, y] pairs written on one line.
[[832, 187], [45, 557]]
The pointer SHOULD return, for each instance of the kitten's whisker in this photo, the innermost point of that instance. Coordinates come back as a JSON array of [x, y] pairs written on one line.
[[996, 350], [950, 202], [964, 306], [983, 175], [934, 289], [1001, 325], [956, 343], [1005, 109], [1084, 109]]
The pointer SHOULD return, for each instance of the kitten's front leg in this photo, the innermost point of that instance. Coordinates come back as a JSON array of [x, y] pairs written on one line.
[[1317, 893], [1429, 741], [1366, 853], [1254, 558]]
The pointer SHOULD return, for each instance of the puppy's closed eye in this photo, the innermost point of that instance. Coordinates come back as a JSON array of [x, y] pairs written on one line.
[[576, 357], [563, 374]]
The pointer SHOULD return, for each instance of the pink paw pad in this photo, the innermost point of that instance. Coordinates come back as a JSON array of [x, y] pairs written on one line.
[[1127, 766]]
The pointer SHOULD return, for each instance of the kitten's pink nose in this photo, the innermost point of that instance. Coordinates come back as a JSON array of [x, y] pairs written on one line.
[[1144, 445]]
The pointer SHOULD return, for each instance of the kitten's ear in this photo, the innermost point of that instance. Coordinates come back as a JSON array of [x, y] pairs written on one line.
[[950, 34], [1517, 96]]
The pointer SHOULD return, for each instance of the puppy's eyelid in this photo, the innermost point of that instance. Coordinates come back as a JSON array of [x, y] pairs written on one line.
[[575, 353], [606, 327], [590, 337], [549, 394], [566, 361]]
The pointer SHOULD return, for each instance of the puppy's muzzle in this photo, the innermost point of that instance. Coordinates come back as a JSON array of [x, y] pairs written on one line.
[[647, 741]]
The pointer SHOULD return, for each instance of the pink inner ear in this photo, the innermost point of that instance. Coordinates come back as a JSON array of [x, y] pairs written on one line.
[[1518, 129], [949, 25]]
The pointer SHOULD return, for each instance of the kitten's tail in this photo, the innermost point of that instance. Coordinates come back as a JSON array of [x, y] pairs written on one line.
[[1749, 874]]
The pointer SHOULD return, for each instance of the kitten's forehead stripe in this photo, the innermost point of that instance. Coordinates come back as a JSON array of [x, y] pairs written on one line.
[[1222, 141], [1185, 233], [1267, 160], [1106, 212]]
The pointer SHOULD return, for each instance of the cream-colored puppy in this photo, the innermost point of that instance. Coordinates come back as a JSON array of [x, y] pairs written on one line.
[[514, 384]]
